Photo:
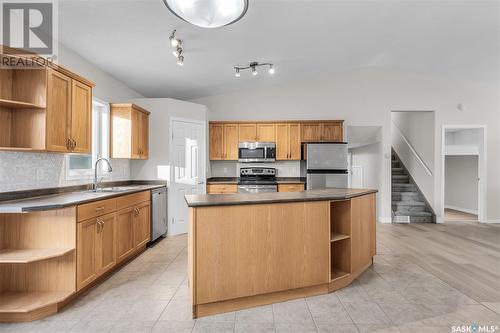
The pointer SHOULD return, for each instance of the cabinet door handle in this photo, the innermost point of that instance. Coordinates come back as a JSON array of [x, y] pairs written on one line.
[[98, 226], [74, 144], [68, 144]]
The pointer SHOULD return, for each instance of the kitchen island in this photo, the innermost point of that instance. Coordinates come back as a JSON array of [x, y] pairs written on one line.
[[247, 250]]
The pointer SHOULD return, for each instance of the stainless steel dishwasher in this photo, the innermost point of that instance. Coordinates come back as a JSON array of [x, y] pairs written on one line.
[[159, 224]]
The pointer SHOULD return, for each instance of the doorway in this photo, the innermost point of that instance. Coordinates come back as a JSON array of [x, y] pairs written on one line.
[[464, 173], [187, 171]]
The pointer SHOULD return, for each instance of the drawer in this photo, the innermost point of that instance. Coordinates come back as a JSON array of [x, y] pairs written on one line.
[[97, 208], [222, 188], [291, 187], [132, 199]]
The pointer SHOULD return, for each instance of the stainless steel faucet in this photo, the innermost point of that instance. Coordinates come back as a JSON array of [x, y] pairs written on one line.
[[110, 168]]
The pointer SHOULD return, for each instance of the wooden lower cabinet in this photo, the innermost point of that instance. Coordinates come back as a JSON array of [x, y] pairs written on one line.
[[299, 187], [96, 253], [106, 240], [142, 225], [86, 259], [222, 188], [124, 233], [106, 249]]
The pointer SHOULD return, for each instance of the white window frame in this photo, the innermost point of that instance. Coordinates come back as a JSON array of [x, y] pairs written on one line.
[[100, 141]]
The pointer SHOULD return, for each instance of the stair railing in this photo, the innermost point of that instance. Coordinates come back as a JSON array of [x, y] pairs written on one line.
[[412, 149]]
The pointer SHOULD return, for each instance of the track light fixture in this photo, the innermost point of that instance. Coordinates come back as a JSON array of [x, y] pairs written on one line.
[[253, 66], [176, 43]]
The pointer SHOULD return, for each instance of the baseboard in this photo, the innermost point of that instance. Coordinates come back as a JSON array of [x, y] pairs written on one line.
[[384, 219], [460, 209], [492, 221]]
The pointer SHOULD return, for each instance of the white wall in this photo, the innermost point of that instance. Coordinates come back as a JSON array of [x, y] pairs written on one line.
[[367, 97], [461, 185], [162, 109], [369, 158], [21, 170]]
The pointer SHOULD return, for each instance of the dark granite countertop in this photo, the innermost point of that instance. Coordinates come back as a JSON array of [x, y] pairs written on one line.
[[201, 200], [66, 199], [234, 180]]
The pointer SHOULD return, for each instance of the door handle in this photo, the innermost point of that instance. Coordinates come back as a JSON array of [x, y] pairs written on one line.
[[201, 183]]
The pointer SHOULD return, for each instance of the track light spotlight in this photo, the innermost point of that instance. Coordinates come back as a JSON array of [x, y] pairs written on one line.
[[253, 66], [180, 60], [177, 52], [174, 41]]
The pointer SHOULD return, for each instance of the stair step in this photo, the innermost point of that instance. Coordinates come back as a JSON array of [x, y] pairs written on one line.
[[395, 164], [398, 171], [409, 203], [412, 219], [406, 196], [420, 214], [404, 179], [404, 207], [398, 187]]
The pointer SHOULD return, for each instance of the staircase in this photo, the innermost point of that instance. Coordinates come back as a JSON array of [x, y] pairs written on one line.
[[408, 203]]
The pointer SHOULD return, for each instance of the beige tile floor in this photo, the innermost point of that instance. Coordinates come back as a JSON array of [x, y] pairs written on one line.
[[150, 295]]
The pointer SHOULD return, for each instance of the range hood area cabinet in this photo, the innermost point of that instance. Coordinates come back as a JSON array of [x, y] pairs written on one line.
[[45, 108], [129, 132], [288, 136]]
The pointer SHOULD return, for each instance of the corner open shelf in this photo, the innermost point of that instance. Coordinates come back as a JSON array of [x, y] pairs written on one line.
[[37, 262], [340, 246], [24, 256], [6, 103], [12, 302], [338, 237]]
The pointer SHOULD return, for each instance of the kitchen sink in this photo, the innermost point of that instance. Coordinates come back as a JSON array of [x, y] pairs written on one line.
[[113, 189]]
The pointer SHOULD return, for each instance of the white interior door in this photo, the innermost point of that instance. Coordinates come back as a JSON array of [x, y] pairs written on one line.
[[187, 170]]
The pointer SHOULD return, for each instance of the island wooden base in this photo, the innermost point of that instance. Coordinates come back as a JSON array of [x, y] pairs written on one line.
[[243, 256]]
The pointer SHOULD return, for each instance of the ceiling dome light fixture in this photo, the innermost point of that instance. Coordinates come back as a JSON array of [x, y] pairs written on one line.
[[208, 13], [253, 66]]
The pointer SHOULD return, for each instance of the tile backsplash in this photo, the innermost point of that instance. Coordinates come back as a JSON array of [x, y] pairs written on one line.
[[232, 168], [24, 171]]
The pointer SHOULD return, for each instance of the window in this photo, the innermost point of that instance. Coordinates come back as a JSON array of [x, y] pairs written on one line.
[[79, 167]]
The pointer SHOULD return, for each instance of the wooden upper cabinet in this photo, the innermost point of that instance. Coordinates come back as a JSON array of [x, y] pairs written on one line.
[[294, 139], [58, 112], [231, 142], [129, 132], [81, 117], [282, 142], [247, 132], [322, 131], [266, 132], [288, 141], [216, 139], [44, 108], [332, 132], [223, 140], [310, 132]]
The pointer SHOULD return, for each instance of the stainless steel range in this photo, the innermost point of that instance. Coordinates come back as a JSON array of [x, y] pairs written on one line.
[[257, 180]]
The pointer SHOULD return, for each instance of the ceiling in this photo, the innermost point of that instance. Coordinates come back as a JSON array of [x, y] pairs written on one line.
[[129, 40]]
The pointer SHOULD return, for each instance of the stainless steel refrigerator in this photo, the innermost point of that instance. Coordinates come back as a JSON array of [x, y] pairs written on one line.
[[325, 165]]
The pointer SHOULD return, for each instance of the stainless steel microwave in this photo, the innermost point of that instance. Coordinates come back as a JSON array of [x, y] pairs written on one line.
[[256, 152]]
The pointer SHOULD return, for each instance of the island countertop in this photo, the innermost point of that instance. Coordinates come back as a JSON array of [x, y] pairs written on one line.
[[203, 200]]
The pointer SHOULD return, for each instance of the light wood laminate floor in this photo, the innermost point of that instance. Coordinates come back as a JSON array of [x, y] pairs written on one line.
[[425, 278], [451, 215]]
